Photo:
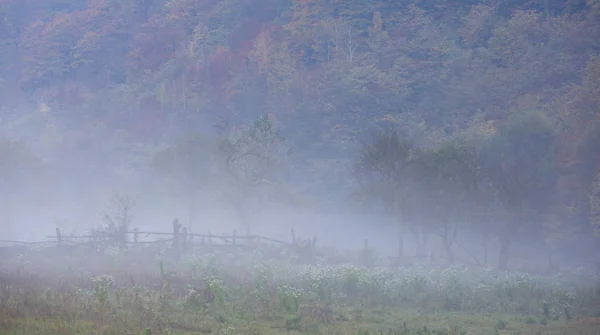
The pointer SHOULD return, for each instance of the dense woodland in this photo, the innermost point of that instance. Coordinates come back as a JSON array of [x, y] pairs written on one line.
[[445, 115]]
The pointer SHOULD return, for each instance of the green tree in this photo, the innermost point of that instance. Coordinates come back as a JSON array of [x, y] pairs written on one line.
[[588, 175], [520, 163], [190, 166], [594, 199], [19, 171], [252, 162], [447, 178], [383, 171]]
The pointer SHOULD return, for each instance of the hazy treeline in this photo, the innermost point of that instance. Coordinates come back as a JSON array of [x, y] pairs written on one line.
[[446, 117]]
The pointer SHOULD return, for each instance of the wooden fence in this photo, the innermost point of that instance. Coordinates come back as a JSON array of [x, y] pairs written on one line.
[[179, 238]]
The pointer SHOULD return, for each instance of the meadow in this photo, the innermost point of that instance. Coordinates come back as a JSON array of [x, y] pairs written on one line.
[[268, 290]]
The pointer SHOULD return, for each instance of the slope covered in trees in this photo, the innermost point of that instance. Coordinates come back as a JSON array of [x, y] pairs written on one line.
[[327, 72]]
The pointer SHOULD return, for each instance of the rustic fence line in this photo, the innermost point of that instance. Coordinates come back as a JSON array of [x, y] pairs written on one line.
[[179, 238]]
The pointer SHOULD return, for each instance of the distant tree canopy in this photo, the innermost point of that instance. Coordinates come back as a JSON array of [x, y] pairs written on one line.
[[519, 161], [431, 189], [20, 173], [189, 167], [17, 164]]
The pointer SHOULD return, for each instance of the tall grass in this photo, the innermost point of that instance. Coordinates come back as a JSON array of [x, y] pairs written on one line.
[[158, 290]]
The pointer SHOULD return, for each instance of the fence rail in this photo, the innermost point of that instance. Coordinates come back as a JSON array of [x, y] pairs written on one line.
[[183, 240], [179, 237]]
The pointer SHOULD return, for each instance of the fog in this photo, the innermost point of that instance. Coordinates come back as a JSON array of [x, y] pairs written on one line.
[[72, 185], [79, 206], [420, 156]]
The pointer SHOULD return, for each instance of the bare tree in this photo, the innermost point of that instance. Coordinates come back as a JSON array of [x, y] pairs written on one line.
[[117, 219]]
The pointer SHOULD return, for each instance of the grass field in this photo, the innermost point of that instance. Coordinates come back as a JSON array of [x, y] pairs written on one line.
[[158, 291]]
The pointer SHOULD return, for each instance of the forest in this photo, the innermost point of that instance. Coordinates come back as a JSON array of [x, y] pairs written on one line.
[[496, 104]]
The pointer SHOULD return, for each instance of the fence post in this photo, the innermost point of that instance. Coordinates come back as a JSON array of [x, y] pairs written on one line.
[[58, 236], [136, 232], [365, 254], [176, 227], [184, 240], [122, 235], [233, 237], [209, 237], [293, 237]]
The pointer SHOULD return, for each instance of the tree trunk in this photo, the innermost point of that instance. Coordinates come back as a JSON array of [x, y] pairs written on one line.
[[190, 213], [485, 244], [400, 243], [510, 230], [124, 227], [448, 246], [551, 267], [421, 239], [422, 246], [241, 217], [448, 234], [504, 247], [6, 217]]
